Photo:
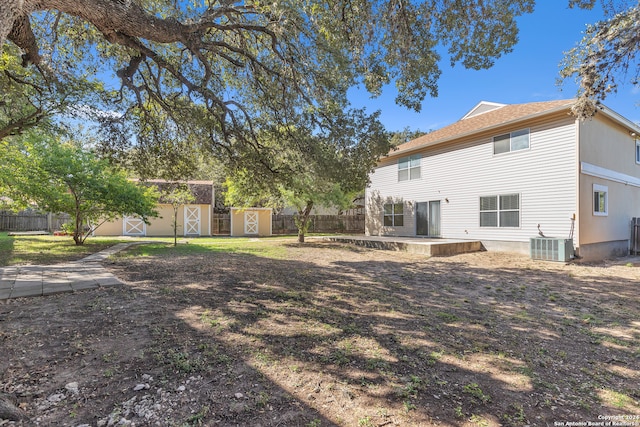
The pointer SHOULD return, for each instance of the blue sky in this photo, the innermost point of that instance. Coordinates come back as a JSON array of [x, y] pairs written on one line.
[[528, 74]]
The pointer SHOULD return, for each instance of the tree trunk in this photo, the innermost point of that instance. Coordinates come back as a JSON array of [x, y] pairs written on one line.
[[175, 229], [77, 232], [303, 221], [8, 411], [176, 207]]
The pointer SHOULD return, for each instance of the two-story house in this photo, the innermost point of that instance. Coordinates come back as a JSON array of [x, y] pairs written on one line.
[[505, 173]]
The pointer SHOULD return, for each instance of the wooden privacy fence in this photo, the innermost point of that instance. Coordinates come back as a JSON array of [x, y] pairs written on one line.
[[221, 223], [31, 221], [285, 224]]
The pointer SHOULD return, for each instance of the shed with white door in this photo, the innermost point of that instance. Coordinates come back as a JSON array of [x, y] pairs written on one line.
[[192, 219], [251, 221]]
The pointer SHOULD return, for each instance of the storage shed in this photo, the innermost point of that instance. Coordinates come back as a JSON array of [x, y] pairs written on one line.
[[193, 219], [251, 221]]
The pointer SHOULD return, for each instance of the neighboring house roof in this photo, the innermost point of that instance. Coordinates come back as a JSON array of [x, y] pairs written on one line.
[[201, 190], [482, 117]]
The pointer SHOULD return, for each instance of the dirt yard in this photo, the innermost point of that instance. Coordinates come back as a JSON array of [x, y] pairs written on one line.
[[327, 334]]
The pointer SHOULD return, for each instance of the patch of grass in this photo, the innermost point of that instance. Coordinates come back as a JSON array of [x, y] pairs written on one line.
[[525, 370], [340, 357], [515, 415], [217, 323], [198, 418], [47, 250], [263, 247], [365, 422], [617, 399], [434, 356], [377, 363], [224, 359], [262, 399], [479, 421], [412, 387], [476, 392], [183, 361], [408, 406], [109, 357], [447, 317], [6, 248], [589, 319], [351, 329]]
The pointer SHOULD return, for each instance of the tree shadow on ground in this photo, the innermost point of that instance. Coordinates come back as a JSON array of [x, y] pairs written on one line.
[[340, 337], [388, 329]]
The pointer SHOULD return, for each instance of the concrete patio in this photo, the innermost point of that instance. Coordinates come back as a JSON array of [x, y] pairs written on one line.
[[418, 245]]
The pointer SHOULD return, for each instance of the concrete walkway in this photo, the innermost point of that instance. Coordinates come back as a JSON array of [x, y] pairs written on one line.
[[38, 280]]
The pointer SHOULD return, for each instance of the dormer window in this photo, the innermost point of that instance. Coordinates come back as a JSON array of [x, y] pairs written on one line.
[[514, 141]]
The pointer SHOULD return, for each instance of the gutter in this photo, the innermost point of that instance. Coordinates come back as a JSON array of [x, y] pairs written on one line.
[[489, 128]]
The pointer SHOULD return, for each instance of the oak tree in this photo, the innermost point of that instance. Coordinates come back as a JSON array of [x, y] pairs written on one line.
[[304, 168], [215, 70], [609, 51]]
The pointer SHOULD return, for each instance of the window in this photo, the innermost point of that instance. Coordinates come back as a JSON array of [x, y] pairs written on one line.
[[500, 211], [600, 200], [409, 168], [513, 141], [393, 214], [638, 151]]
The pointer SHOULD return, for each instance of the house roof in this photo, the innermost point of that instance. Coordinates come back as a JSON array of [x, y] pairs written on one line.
[[482, 117], [201, 190]]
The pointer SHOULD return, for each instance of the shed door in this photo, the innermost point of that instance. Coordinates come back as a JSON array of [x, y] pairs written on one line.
[[133, 226], [251, 222], [192, 220]]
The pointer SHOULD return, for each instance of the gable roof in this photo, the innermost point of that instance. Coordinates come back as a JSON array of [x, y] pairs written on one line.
[[481, 118], [482, 107]]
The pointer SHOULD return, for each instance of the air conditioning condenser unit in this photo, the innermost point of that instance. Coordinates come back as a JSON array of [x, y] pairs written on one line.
[[551, 249]]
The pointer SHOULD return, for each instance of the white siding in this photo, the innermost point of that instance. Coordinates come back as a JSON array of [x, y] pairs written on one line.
[[544, 176]]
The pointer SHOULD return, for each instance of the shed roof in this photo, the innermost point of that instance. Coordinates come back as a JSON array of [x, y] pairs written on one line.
[[201, 190], [480, 119]]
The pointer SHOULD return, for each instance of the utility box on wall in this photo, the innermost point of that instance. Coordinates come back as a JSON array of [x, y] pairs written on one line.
[[551, 249]]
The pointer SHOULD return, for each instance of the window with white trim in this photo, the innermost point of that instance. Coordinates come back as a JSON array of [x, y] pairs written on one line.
[[393, 214], [409, 168], [500, 211], [600, 200], [514, 141], [638, 151]]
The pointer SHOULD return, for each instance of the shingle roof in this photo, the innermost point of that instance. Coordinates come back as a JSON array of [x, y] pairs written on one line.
[[477, 123]]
